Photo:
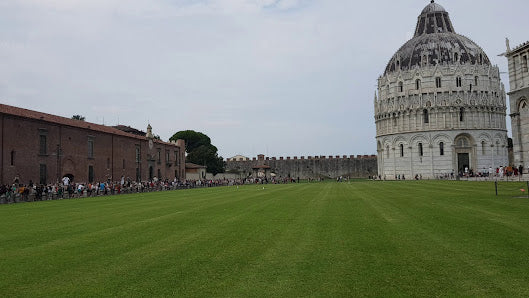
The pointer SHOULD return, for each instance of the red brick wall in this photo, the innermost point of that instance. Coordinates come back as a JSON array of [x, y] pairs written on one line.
[[22, 136]]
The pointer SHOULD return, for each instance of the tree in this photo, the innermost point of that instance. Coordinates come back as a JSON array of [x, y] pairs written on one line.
[[200, 150], [193, 139], [207, 155], [78, 117]]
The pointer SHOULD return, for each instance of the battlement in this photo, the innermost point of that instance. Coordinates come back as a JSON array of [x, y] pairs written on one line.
[[318, 166], [261, 157]]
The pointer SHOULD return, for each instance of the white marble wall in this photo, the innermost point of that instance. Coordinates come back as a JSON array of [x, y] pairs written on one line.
[[519, 103], [399, 117]]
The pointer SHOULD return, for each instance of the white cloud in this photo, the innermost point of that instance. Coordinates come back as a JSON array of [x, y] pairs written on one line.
[[294, 76]]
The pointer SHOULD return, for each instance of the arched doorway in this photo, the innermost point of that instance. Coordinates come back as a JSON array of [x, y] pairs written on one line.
[[464, 154], [151, 173]]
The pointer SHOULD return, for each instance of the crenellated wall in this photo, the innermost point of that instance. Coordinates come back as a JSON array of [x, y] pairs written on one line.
[[361, 166]]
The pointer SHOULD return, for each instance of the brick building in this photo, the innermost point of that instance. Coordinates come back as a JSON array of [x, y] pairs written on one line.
[[44, 148]]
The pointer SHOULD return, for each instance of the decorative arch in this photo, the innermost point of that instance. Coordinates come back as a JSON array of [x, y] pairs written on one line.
[[464, 140], [438, 138], [522, 105], [399, 140], [485, 137], [419, 138]]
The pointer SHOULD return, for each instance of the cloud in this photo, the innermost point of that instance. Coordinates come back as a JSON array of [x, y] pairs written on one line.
[[294, 76]]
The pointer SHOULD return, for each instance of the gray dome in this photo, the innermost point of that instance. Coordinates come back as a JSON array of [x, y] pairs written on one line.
[[435, 42], [433, 7]]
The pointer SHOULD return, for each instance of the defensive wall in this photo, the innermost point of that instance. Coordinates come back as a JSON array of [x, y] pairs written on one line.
[[360, 166]]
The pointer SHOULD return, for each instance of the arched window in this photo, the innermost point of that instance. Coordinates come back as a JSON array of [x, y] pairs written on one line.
[[480, 58], [458, 82], [456, 57], [421, 152], [483, 148], [425, 116], [13, 158], [441, 148], [401, 150], [417, 84], [476, 80], [462, 114], [401, 86], [438, 83]]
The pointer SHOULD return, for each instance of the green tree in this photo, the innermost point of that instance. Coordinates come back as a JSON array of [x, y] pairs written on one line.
[[193, 139], [78, 117], [200, 150]]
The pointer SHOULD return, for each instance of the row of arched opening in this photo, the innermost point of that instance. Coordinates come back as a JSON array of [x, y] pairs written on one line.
[[439, 83], [461, 143]]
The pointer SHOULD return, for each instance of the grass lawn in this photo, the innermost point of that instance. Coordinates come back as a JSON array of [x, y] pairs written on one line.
[[320, 239]]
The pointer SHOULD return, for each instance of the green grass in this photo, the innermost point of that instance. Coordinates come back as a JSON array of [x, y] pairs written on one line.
[[320, 239]]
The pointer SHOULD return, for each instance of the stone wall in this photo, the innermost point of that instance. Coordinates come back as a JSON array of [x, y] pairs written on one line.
[[361, 166], [519, 102]]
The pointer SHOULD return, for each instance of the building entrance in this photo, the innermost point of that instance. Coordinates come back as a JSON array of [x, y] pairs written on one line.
[[463, 161]]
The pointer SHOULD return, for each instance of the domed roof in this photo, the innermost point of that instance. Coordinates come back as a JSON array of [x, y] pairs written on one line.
[[435, 42], [433, 7]]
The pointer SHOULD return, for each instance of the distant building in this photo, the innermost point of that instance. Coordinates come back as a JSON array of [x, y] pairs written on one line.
[[519, 102], [238, 158], [195, 172], [43, 148], [440, 106]]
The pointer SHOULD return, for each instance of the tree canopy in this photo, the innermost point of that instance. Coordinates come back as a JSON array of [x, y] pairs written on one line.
[[200, 150], [193, 139], [78, 117]]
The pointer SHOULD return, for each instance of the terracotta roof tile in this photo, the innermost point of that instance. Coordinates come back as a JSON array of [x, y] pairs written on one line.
[[25, 113]]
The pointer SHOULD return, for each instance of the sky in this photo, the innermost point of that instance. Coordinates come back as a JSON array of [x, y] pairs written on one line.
[[277, 77]]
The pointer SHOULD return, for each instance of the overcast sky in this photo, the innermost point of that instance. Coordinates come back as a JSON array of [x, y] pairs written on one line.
[[278, 77]]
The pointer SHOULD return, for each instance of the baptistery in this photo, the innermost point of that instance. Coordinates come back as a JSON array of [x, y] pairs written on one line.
[[440, 108]]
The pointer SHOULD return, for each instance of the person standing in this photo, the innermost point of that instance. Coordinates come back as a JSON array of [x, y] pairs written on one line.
[[520, 170]]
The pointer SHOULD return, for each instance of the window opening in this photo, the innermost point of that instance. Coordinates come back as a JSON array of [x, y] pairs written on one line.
[[43, 144], [138, 153], [43, 174], [441, 148], [90, 174], [458, 82], [90, 148]]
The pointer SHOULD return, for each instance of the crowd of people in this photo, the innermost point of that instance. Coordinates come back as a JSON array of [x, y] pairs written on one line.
[[500, 173], [67, 189]]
